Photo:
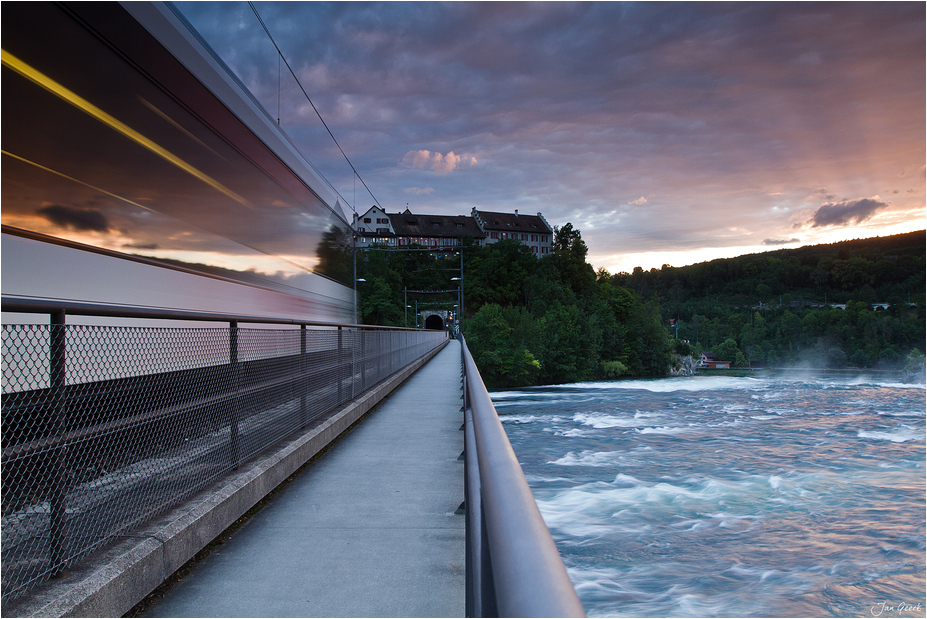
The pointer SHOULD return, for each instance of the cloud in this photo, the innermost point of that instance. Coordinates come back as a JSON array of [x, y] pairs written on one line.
[[435, 161], [727, 115], [846, 212], [781, 241], [149, 246], [81, 219]]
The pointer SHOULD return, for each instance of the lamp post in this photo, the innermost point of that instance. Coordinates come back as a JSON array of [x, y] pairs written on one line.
[[460, 290], [354, 243], [356, 320], [459, 295]]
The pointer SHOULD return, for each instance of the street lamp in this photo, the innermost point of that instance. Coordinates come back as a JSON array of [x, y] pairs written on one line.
[[459, 295], [356, 321], [460, 292]]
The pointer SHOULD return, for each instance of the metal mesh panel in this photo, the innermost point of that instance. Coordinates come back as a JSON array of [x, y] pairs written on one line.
[[105, 428]]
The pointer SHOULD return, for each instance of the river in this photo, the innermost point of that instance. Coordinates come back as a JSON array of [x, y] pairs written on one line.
[[722, 496]]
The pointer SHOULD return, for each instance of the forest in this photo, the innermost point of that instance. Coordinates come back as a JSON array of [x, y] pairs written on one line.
[[529, 321], [856, 304]]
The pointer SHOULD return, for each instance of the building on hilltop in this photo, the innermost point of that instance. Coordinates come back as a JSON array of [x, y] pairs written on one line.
[[374, 228], [401, 230], [532, 230], [434, 231]]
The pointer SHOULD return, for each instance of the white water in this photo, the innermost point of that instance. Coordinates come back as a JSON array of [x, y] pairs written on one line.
[[713, 496]]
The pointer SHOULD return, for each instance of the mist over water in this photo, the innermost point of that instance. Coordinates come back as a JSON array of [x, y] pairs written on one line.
[[716, 496]]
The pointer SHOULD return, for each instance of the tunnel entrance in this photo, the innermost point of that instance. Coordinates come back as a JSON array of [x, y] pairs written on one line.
[[434, 322]]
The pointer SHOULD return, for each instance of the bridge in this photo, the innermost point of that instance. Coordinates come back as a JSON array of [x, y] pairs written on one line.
[[174, 358], [119, 468]]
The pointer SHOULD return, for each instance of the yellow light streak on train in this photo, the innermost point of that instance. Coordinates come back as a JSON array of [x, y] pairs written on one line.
[[82, 104]]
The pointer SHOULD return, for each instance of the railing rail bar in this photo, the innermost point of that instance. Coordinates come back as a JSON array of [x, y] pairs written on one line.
[[141, 418], [26, 305], [528, 575]]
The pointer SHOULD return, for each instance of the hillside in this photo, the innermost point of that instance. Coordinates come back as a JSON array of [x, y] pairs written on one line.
[[854, 303], [872, 270]]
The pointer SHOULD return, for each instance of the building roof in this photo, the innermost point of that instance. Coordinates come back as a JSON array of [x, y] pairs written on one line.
[[513, 222], [410, 224]]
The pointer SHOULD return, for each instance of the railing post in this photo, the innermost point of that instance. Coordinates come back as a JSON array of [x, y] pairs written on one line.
[[363, 361], [303, 373], [57, 367], [339, 360], [235, 369], [379, 354]]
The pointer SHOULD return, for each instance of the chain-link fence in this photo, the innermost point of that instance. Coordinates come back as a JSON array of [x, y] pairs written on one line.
[[105, 428]]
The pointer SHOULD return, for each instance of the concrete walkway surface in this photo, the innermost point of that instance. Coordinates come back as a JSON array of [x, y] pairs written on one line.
[[367, 530]]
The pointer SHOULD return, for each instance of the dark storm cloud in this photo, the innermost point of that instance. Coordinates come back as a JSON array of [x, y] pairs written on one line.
[[774, 242], [80, 219], [846, 212], [148, 246]]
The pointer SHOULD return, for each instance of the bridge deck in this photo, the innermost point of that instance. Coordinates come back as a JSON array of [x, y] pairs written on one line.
[[368, 530]]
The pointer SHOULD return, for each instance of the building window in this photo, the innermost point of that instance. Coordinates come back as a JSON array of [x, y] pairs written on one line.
[[524, 237], [382, 220], [534, 238], [367, 220], [494, 235]]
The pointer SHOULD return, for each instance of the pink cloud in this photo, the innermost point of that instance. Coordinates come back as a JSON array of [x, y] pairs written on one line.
[[435, 161]]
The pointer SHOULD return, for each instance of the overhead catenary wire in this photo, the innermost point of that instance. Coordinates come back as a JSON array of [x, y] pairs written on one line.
[[309, 99]]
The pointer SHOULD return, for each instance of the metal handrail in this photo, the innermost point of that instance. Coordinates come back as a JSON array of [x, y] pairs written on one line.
[[28, 305], [515, 569]]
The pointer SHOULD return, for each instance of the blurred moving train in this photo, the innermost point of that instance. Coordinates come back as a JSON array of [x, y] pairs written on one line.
[[137, 170]]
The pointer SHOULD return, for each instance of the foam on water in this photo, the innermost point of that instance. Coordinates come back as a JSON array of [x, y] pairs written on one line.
[[898, 435], [601, 420], [738, 497], [659, 385]]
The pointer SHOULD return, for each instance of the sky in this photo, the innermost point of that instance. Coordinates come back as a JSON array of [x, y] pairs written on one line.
[[667, 133]]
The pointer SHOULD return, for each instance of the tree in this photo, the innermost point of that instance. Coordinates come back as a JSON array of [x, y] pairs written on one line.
[[569, 257], [379, 303]]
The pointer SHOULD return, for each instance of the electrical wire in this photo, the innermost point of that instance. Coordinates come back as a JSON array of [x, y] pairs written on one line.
[[306, 94]]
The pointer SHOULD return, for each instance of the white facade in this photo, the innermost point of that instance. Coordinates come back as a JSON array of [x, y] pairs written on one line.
[[374, 227]]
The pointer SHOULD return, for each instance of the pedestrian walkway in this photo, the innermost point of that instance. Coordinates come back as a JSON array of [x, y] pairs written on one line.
[[367, 530]]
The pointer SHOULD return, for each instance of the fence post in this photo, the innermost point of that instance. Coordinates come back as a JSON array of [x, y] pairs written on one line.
[[303, 372], [236, 389], [363, 361], [340, 362], [59, 473]]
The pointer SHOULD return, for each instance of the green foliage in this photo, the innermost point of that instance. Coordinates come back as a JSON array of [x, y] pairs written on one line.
[[772, 305], [498, 339], [528, 320], [613, 369], [556, 320], [379, 304]]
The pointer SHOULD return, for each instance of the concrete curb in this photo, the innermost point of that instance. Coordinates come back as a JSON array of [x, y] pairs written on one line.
[[110, 582]]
